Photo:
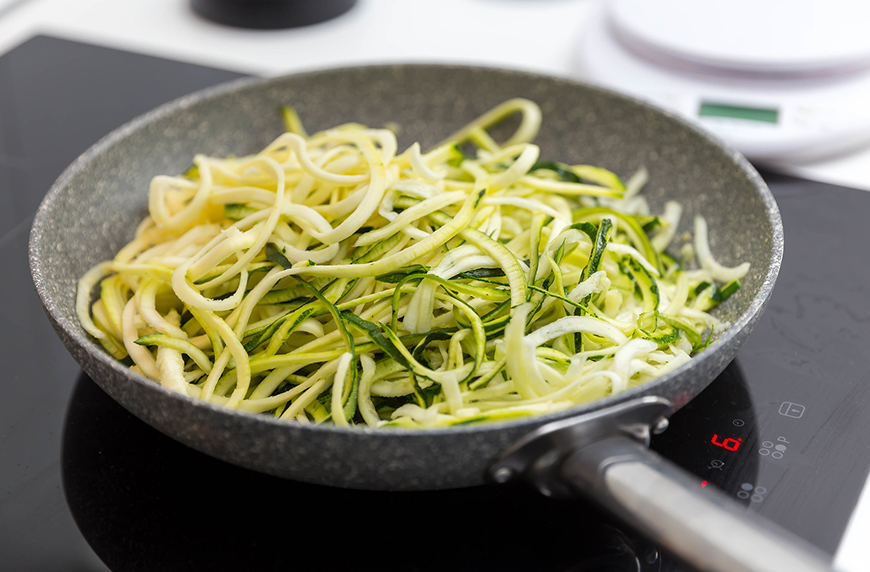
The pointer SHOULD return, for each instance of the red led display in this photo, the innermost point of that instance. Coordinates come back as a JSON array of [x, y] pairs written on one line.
[[730, 444]]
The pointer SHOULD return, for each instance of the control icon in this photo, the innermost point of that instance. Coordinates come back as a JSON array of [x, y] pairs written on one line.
[[749, 491], [738, 423], [776, 450], [716, 464], [789, 409]]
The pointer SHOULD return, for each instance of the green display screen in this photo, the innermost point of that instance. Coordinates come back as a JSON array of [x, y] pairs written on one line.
[[709, 109]]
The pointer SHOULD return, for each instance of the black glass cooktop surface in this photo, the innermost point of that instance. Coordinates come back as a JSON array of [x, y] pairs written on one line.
[[86, 486]]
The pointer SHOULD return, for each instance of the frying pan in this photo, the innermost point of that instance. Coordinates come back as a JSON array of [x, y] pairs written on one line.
[[598, 449]]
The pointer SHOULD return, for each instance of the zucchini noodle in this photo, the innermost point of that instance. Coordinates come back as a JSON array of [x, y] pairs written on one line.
[[330, 278]]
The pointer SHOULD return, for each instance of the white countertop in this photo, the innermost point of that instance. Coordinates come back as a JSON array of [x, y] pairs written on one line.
[[533, 35], [518, 34]]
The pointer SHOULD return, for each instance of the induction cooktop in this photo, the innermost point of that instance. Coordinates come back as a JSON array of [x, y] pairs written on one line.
[[86, 486]]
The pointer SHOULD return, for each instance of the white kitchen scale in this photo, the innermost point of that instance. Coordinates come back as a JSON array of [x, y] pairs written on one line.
[[783, 81]]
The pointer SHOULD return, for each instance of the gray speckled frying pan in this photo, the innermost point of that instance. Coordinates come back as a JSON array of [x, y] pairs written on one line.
[[93, 208]]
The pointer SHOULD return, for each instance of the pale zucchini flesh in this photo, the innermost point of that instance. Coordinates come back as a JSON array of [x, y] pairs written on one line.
[[331, 278]]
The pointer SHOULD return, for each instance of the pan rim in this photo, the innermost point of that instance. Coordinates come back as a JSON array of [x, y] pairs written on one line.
[[75, 333]]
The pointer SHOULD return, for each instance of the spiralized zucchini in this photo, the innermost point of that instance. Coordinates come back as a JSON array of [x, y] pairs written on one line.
[[330, 278]]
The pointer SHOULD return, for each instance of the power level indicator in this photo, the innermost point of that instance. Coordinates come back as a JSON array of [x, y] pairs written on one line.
[[729, 444]]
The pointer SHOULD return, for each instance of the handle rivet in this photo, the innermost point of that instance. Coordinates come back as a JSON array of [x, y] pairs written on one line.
[[502, 475], [660, 425]]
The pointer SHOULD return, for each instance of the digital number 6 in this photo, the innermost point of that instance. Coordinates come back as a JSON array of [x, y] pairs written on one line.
[[730, 444]]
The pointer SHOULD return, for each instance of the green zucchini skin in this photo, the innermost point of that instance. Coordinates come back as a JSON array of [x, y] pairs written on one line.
[[510, 247]]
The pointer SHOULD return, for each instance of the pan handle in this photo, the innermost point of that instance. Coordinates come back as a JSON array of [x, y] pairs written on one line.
[[703, 526], [604, 456]]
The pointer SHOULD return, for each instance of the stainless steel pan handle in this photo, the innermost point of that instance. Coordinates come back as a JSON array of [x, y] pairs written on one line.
[[604, 456], [702, 526]]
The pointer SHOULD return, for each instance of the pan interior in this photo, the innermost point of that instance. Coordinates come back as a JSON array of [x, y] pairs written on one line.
[[107, 195], [93, 210]]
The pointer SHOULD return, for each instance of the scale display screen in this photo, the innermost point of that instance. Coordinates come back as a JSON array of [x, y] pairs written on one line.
[[710, 109]]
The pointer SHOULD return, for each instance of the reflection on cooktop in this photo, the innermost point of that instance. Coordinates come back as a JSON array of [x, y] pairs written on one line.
[[145, 502]]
